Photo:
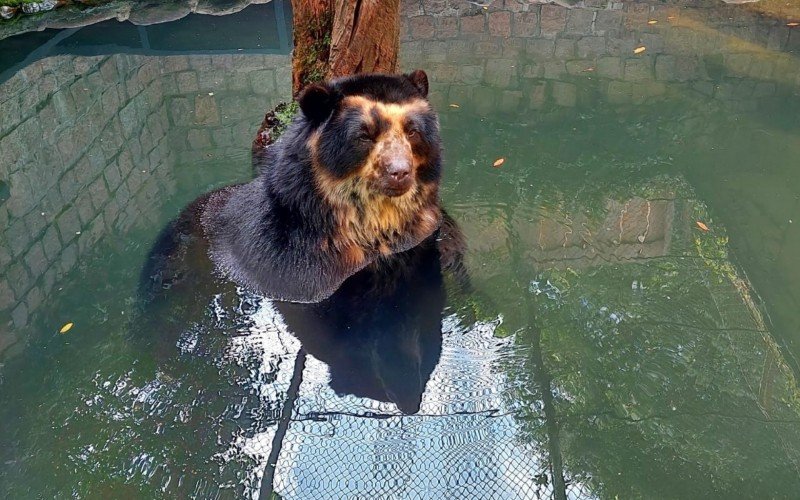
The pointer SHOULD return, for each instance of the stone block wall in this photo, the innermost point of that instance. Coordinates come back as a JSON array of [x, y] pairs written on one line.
[[216, 103], [519, 57], [89, 147], [83, 144], [541, 63]]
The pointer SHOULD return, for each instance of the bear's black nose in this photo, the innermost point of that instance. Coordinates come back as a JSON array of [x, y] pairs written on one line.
[[397, 179], [399, 170]]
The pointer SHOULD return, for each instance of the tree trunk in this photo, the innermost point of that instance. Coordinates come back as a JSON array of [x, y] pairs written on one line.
[[343, 37], [312, 22], [365, 38], [335, 38]]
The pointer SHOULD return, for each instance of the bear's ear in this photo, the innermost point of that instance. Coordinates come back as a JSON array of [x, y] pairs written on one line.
[[317, 102], [420, 80]]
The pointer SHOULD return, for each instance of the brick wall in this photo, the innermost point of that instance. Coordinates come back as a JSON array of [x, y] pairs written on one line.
[[214, 109], [83, 144], [517, 56], [88, 146]]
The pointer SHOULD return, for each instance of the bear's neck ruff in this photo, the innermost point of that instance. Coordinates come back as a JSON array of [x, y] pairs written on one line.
[[368, 224]]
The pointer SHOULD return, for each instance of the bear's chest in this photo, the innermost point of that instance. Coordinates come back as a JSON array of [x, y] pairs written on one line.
[[386, 226]]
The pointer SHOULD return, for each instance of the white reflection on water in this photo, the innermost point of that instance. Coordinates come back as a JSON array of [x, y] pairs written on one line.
[[463, 440]]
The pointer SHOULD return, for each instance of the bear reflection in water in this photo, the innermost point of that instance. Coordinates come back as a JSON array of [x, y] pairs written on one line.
[[381, 332]]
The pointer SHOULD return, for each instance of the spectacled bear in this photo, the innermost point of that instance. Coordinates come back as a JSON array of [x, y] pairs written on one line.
[[353, 180]]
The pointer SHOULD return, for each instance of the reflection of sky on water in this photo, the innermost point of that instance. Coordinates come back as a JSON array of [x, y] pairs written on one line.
[[463, 441]]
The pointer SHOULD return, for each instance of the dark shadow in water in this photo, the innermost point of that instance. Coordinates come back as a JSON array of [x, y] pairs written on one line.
[[380, 335], [381, 332]]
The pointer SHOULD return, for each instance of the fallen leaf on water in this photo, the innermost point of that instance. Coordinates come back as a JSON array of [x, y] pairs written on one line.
[[652, 21], [792, 24], [702, 226], [587, 70], [66, 328], [454, 105], [498, 162], [639, 50]]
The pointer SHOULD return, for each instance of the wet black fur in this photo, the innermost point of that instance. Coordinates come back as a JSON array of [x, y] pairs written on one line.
[[266, 234], [379, 329], [380, 333]]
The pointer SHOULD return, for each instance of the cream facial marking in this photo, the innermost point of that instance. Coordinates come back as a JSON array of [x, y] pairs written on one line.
[[391, 111], [391, 165], [391, 147], [373, 210]]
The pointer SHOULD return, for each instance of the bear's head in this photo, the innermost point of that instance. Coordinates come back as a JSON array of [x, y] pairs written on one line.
[[375, 155], [374, 134]]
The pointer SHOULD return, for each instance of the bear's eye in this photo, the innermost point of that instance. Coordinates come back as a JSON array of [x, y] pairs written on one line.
[[364, 135], [412, 133]]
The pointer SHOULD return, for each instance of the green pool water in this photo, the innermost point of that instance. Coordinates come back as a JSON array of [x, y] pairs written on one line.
[[632, 326]]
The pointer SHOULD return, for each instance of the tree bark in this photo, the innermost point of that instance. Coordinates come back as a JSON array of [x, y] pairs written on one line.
[[365, 38], [312, 23], [335, 38]]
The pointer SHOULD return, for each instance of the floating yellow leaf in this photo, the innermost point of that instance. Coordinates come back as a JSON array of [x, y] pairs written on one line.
[[498, 162], [792, 24], [455, 106], [652, 21], [66, 328], [639, 50], [702, 226]]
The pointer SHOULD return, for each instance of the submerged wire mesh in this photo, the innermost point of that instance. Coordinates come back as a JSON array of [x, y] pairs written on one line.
[[464, 442]]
